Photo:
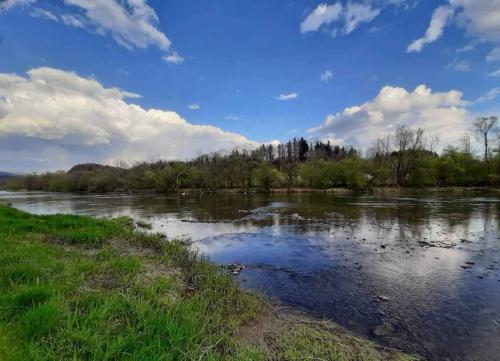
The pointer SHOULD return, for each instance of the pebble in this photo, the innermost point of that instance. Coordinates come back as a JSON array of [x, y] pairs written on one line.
[[383, 330], [234, 268]]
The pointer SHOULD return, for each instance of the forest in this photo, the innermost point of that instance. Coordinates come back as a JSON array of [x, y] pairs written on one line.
[[407, 158]]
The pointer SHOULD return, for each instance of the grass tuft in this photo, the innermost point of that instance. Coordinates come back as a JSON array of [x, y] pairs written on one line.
[[23, 298], [41, 320]]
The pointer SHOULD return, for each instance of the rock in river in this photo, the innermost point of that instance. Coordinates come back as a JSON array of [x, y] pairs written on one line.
[[383, 329], [234, 268]]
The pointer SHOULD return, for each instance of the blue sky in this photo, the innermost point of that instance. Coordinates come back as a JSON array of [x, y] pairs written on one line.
[[231, 62]]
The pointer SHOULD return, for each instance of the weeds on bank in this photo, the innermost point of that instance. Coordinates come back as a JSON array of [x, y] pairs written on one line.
[[61, 302], [322, 341]]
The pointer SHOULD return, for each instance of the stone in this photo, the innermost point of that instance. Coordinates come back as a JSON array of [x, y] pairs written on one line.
[[382, 330]]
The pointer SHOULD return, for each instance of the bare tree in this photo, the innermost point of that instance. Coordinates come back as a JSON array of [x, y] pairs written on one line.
[[433, 141], [466, 144], [483, 127], [409, 144], [497, 133], [380, 150]]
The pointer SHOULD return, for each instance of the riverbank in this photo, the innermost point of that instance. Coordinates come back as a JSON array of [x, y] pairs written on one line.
[[335, 191], [346, 191], [80, 288], [390, 190]]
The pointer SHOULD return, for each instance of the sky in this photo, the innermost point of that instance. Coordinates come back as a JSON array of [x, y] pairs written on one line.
[[109, 80]]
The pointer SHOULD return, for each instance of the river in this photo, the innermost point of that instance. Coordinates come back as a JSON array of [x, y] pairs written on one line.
[[420, 273]]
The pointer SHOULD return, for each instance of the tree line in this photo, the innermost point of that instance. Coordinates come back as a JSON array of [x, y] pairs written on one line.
[[407, 158]]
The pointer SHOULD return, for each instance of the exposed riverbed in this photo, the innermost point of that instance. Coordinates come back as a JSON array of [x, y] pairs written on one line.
[[421, 273]]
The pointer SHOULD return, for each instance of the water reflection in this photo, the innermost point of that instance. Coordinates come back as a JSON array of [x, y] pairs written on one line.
[[415, 272]]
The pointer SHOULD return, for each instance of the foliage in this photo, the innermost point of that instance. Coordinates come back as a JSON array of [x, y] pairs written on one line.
[[405, 159]]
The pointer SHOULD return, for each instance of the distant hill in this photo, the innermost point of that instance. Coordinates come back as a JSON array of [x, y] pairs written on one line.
[[4, 176], [91, 167]]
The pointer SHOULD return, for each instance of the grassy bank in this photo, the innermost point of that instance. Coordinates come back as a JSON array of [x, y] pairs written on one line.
[[79, 288]]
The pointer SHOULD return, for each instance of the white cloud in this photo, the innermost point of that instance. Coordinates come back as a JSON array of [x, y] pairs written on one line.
[[440, 18], [45, 14], [324, 14], [131, 23], [442, 114], [8, 4], [194, 107], [494, 55], [73, 20], [57, 112], [326, 76], [351, 16], [495, 73], [492, 94], [174, 58], [466, 48], [479, 18], [406, 4], [290, 96], [460, 65], [232, 117], [355, 14]]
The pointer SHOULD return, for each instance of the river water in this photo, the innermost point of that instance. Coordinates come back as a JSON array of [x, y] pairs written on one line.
[[420, 273]]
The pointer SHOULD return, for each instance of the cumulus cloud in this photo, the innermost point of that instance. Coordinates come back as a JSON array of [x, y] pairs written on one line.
[[480, 19], [194, 107], [51, 111], [442, 114], [284, 97], [326, 76], [440, 18], [232, 117], [350, 16]]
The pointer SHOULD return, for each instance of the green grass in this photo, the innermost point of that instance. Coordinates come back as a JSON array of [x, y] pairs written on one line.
[[78, 288], [67, 228]]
